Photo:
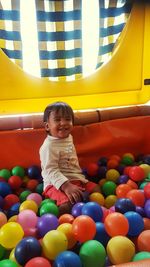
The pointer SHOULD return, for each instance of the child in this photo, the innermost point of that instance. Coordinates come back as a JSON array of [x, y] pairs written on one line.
[[62, 175]]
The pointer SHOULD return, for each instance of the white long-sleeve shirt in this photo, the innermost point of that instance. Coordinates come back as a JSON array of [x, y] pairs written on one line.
[[59, 162]]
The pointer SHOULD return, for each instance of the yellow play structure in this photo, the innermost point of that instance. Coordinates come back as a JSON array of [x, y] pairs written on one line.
[[123, 80], [115, 120]]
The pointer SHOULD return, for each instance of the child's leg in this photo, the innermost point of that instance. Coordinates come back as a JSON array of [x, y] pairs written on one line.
[[65, 208]]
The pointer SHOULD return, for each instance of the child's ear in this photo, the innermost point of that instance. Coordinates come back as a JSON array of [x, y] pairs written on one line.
[[46, 126]]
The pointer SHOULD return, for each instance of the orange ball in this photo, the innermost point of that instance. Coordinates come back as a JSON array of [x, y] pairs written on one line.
[[132, 184], [137, 197], [122, 190], [116, 224], [66, 218], [97, 197], [146, 223], [143, 241], [112, 164]]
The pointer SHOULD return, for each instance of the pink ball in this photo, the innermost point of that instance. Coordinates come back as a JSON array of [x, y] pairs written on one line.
[[35, 197], [27, 219]]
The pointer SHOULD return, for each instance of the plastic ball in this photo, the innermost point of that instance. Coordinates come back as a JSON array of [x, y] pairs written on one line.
[[136, 173], [92, 253], [92, 169], [10, 200], [77, 209], [14, 210], [46, 223], [5, 189], [47, 200], [147, 208], [146, 223], [1, 202], [35, 197], [127, 160], [147, 190], [140, 210], [120, 249], [136, 223], [102, 161], [110, 201], [116, 224], [142, 255], [39, 188], [143, 241], [2, 252], [112, 175], [24, 195], [101, 234], [32, 184], [112, 164], [8, 263], [53, 243], [34, 172], [132, 184], [38, 262], [12, 257], [28, 248], [49, 207], [102, 172], [27, 219], [137, 197], [146, 168], [3, 219], [67, 259], [123, 179], [15, 182], [97, 197], [109, 188], [122, 190], [123, 205], [66, 228], [10, 234], [66, 218], [93, 210], [29, 204], [18, 171], [83, 228], [5, 173]]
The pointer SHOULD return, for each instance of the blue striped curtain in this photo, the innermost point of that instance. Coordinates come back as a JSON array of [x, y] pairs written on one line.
[[57, 44]]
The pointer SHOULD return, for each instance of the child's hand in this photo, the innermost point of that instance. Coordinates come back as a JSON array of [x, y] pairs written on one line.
[[73, 192]]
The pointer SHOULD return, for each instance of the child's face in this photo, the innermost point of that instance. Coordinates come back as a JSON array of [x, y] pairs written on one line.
[[59, 125]]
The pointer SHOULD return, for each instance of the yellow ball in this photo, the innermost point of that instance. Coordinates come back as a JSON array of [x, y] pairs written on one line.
[[146, 169], [12, 257], [120, 249], [28, 205], [53, 243], [66, 228], [112, 175], [97, 197], [13, 218], [110, 201], [10, 234]]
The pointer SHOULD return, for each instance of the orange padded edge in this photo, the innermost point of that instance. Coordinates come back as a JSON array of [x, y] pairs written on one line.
[[21, 147]]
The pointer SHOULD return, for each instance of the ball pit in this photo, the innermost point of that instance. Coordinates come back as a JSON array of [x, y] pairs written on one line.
[[104, 225]]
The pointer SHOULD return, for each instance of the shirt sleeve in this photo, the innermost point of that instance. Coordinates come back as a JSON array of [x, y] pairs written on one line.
[[49, 156]]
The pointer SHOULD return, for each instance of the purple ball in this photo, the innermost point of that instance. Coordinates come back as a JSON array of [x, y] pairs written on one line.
[[46, 223], [147, 208], [123, 179]]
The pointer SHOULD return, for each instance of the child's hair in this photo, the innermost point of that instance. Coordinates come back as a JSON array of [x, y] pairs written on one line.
[[58, 106]]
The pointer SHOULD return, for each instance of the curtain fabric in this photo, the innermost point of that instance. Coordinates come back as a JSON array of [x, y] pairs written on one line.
[[59, 31]]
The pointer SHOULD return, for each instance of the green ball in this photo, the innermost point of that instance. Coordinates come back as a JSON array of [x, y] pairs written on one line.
[[142, 185], [49, 207], [39, 188], [18, 171], [47, 200], [5, 173], [2, 252], [8, 263], [92, 253], [126, 160], [109, 188], [141, 256], [24, 195]]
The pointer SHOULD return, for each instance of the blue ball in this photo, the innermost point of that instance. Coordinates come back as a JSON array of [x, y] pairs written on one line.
[[34, 172], [101, 234], [28, 248], [77, 209], [14, 210], [136, 223], [93, 210], [5, 189], [123, 205], [67, 259]]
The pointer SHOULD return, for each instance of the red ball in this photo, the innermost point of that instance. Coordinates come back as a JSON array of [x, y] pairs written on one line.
[[147, 190], [32, 184], [92, 169], [38, 262], [136, 173], [137, 197], [10, 200], [15, 182]]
